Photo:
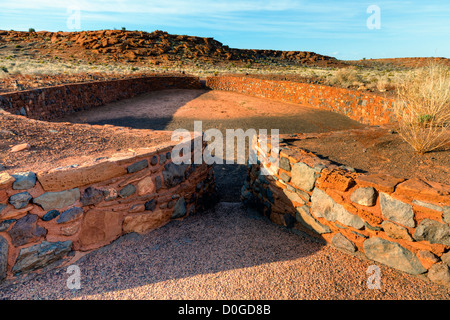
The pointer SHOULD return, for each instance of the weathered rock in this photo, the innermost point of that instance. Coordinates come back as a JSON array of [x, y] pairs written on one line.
[[433, 231], [158, 183], [70, 215], [395, 231], [110, 194], [20, 200], [427, 258], [137, 166], [174, 174], [446, 258], [146, 186], [24, 180], [285, 177], [304, 217], [179, 210], [397, 210], [150, 205], [393, 255], [303, 176], [70, 229], [26, 230], [3, 258], [341, 242], [154, 161], [2, 206], [127, 191], [91, 196], [52, 214], [284, 164], [293, 196], [137, 208], [40, 255], [5, 180], [440, 274], [145, 222], [99, 228], [446, 214], [370, 227], [323, 206], [20, 147], [162, 158], [427, 205], [364, 196], [5, 224], [57, 200], [70, 178]]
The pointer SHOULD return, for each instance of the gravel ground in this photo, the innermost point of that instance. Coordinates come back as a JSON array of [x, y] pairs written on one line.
[[225, 253]]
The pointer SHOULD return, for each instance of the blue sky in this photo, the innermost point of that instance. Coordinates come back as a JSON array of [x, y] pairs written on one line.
[[336, 28]]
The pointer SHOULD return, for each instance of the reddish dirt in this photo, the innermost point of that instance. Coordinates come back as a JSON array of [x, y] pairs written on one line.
[[62, 144], [379, 150]]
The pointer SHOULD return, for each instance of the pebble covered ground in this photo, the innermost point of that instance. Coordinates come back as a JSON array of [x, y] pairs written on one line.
[[225, 253]]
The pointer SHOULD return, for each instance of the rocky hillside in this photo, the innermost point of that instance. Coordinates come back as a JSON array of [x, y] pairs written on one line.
[[156, 47]]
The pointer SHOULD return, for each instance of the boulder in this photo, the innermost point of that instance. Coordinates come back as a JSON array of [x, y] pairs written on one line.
[[26, 230], [40, 255], [57, 200], [397, 210], [433, 231], [323, 206], [393, 255]]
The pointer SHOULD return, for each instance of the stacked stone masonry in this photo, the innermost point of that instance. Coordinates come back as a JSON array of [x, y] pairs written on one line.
[[404, 224], [367, 108], [54, 102], [45, 216]]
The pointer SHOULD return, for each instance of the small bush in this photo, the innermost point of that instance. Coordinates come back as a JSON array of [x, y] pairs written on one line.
[[346, 77], [31, 30], [423, 107]]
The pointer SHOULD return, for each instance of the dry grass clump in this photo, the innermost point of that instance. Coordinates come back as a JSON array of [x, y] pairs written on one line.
[[423, 107], [346, 78]]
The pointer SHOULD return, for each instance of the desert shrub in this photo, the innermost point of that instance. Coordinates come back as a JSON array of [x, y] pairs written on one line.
[[31, 30], [346, 77], [423, 107]]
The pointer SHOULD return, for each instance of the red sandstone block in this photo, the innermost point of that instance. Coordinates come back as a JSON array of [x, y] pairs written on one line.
[[424, 190], [65, 179], [381, 182]]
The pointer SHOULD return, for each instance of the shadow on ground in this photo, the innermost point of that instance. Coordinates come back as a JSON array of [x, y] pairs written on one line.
[[225, 238]]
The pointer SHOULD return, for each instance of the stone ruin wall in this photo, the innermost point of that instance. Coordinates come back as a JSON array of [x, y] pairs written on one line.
[[367, 108]]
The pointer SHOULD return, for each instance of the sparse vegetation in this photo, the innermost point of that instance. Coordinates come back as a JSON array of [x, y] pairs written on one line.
[[346, 78], [423, 108]]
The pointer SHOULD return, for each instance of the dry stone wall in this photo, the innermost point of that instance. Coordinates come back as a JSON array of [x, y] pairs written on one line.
[[404, 224], [54, 102], [367, 108], [46, 216]]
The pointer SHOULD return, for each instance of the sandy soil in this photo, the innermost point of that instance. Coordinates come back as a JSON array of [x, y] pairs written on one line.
[[237, 255], [60, 144], [379, 150]]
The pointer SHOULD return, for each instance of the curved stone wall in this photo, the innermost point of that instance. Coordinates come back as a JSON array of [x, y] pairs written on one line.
[[49, 216], [44, 216], [54, 102], [404, 224], [367, 108]]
